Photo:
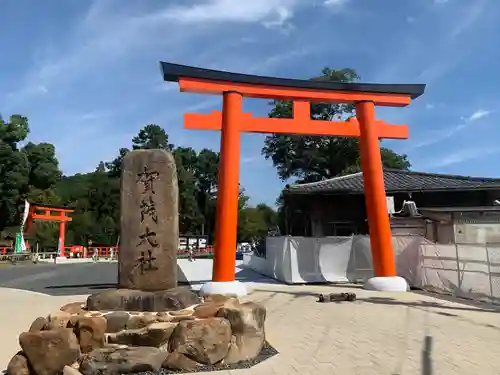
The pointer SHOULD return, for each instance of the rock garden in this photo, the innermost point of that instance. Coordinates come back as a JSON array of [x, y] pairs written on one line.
[[130, 331]]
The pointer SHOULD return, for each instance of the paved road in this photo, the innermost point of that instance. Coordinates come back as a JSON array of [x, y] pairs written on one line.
[[60, 280]]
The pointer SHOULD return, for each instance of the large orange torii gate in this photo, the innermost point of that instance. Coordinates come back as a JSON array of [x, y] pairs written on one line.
[[49, 212], [232, 121]]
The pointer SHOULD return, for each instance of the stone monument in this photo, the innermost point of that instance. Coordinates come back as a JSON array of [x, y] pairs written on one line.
[[149, 221], [148, 324]]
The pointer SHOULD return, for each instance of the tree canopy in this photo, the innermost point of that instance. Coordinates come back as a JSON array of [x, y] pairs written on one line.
[[314, 158], [32, 172]]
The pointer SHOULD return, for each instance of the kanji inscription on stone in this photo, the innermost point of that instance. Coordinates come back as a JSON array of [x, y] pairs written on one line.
[[149, 221], [148, 209]]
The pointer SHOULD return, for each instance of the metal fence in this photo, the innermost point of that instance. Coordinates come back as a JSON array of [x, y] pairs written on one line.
[[463, 270]]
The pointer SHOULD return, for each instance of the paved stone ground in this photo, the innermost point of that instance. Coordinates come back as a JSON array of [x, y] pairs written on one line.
[[381, 333], [18, 309]]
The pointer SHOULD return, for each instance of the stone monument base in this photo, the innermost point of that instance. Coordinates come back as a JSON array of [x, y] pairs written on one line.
[[214, 332]]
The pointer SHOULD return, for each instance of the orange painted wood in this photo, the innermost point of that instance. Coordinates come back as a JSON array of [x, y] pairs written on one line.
[[62, 232], [376, 204], [36, 207], [305, 126], [36, 216], [228, 192], [200, 86], [231, 122]]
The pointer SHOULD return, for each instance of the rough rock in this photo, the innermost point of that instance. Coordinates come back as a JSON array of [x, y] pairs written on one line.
[[58, 319], [163, 316], [182, 318], [210, 308], [247, 326], [116, 321], [90, 332], [39, 324], [69, 370], [74, 308], [112, 361], [177, 319], [183, 312], [178, 361], [137, 300], [205, 341], [218, 298], [19, 365], [149, 241], [49, 351], [141, 321], [155, 335]]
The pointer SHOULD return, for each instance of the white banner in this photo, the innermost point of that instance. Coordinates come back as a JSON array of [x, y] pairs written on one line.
[[25, 215], [22, 245]]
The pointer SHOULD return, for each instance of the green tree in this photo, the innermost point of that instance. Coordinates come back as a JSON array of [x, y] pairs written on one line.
[[314, 158], [207, 172], [152, 137], [268, 214], [14, 169], [254, 223], [115, 166], [190, 217], [32, 172], [43, 164]]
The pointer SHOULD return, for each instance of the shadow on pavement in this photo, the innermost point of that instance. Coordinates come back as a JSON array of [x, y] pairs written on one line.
[[86, 286], [426, 304]]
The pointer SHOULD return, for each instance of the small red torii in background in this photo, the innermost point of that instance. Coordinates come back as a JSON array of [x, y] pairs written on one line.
[[49, 212]]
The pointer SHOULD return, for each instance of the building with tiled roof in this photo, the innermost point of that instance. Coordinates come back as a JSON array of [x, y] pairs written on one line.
[[336, 206], [398, 181]]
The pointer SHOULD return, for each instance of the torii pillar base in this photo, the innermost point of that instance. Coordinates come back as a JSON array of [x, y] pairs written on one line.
[[387, 284], [225, 288]]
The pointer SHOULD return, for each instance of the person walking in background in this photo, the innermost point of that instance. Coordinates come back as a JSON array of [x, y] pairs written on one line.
[[191, 253]]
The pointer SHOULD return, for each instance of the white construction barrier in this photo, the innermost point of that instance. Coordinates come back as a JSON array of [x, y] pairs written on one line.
[[299, 260], [465, 270]]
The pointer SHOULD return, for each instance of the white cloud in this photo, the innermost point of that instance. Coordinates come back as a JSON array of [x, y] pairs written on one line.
[[103, 36], [470, 15], [410, 19], [477, 115], [429, 106], [335, 3], [435, 136], [461, 156], [268, 12], [431, 57], [250, 159]]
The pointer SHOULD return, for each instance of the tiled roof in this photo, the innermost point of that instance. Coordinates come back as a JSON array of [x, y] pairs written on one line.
[[397, 181]]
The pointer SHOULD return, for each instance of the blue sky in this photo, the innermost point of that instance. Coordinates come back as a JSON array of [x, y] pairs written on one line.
[[86, 74]]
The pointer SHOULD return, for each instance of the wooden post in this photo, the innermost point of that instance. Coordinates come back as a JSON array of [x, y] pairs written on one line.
[[227, 196], [376, 204], [62, 225]]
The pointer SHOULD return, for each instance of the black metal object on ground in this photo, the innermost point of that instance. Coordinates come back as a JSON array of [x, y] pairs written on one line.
[[337, 297]]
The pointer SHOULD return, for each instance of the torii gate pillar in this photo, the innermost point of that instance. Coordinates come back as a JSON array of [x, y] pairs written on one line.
[[232, 121]]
